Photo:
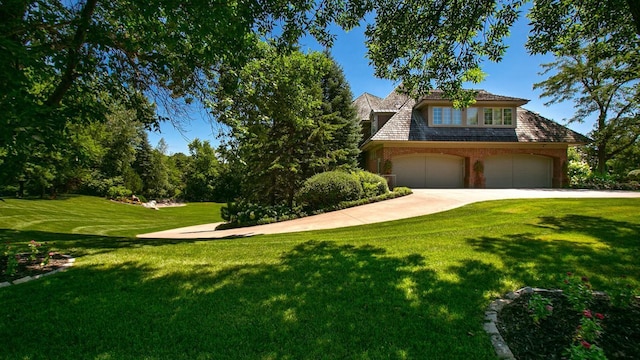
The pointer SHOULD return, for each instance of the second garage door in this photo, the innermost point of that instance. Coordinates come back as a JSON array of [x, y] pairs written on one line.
[[518, 171], [429, 171]]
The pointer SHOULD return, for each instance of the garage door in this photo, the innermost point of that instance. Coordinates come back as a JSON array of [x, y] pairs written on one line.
[[518, 171], [429, 171]]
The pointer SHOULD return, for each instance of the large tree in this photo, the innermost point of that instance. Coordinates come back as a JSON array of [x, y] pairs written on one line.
[[289, 117], [608, 88], [597, 67]]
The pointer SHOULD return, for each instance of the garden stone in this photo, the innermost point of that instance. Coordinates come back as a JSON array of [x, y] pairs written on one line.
[[22, 280], [5, 284]]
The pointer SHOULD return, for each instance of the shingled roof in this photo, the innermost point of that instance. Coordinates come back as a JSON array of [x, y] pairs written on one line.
[[481, 95], [408, 124], [365, 103]]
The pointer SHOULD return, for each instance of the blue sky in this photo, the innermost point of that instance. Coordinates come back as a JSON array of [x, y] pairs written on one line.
[[514, 76]]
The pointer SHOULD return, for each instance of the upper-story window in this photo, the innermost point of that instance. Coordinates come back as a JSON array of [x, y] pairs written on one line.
[[472, 116], [447, 116], [498, 116]]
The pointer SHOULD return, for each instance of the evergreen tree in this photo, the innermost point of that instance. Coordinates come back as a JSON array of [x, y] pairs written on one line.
[[290, 117]]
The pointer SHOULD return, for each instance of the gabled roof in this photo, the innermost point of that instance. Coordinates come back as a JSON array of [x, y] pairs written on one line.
[[364, 104]]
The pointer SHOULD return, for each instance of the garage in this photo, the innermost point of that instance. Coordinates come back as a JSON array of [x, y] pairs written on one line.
[[429, 171], [518, 171]]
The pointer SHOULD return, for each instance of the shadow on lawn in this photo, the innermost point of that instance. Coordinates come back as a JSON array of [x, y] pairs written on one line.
[[79, 245], [537, 262], [321, 300]]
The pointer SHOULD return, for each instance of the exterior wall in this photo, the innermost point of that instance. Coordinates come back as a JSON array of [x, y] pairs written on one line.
[[474, 158]]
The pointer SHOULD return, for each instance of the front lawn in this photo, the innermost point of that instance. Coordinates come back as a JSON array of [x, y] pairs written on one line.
[[415, 288]]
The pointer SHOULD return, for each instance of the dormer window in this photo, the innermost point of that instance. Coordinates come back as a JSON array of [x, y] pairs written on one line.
[[498, 116], [472, 116], [447, 116]]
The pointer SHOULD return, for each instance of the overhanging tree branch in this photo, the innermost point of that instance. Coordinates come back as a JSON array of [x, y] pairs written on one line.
[[73, 54]]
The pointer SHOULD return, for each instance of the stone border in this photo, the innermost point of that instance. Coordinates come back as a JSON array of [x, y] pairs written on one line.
[[494, 308], [70, 261]]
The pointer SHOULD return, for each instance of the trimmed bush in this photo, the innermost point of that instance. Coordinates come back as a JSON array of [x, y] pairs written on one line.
[[118, 192], [247, 214], [328, 189], [372, 185]]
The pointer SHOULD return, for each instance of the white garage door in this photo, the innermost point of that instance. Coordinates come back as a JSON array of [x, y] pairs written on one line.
[[429, 171], [518, 171]]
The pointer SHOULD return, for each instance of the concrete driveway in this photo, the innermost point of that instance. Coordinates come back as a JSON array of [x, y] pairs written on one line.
[[421, 202]]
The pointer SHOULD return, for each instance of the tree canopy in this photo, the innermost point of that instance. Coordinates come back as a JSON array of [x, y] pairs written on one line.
[[290, 116]]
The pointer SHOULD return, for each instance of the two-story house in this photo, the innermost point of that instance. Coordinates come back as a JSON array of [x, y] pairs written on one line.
[[494, 143]]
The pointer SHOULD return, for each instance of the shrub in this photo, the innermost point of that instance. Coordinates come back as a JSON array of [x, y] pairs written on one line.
[[634, 175], [118, 192], [372, 185], [246, 214], [328, 189]]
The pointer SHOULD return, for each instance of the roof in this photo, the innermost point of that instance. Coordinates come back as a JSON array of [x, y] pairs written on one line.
[[481, 95], [364, 104], [407, 124]]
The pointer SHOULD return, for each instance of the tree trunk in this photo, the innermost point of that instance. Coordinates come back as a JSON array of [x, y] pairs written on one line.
[[73, 55], [602, 159]]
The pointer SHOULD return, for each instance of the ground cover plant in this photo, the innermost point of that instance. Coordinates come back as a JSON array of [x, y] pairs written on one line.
[[415, 288]]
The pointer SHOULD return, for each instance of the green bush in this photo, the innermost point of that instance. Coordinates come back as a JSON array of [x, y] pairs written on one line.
[[328, 189], [634, 175], [118, 192], [247, 214], [605, 182], [372, 185]]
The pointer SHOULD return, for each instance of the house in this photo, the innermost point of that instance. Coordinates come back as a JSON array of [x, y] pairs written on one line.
[[494, 143]]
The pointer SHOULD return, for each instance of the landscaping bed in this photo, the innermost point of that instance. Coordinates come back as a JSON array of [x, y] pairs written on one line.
[[551, 337], [27, 266]]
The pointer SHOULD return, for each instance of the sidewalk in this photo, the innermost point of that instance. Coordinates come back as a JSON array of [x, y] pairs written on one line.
[[421, 202]]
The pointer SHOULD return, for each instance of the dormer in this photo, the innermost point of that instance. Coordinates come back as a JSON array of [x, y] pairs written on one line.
[[489, 110]]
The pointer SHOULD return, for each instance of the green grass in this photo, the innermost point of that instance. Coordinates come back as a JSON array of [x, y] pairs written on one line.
[[415, 288]]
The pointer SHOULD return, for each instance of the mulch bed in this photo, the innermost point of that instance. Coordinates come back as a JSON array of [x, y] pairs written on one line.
[[620, 338], [28, 267]]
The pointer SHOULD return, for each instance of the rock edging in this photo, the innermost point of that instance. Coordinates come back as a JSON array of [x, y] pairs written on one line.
[[491, 320], [494, 308], [70, 261]]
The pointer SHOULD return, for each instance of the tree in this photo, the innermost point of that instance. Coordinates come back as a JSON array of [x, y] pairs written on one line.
[[289, 117], [200, 179], [597, 66]]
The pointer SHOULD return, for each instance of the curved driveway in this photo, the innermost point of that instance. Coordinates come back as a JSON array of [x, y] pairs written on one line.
[[421, 202]]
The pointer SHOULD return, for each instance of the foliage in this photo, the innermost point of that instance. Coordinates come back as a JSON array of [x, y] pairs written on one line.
[[118, 192], [247, 214], [583, 350], [289, 117], [605, 182], [597, 51], [587, 333], [239, 214], [540, 308], [328, 189], [11, 263], [577, 291], [201, 173], [372, 184], [634, 175], [622, 293]]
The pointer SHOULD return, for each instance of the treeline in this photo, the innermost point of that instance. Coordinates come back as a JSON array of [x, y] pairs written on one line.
[[114, 158]]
